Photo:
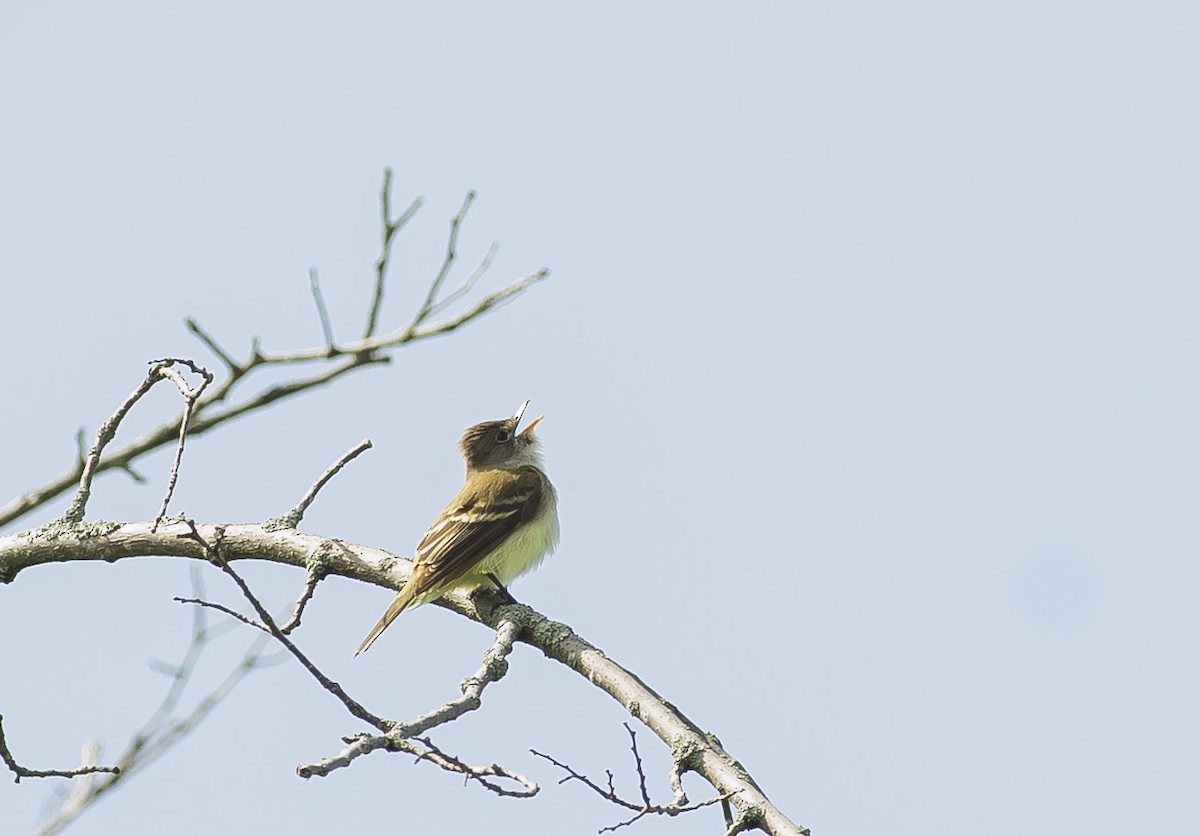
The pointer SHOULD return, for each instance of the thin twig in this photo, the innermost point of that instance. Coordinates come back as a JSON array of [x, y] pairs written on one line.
[[163, 730], [24, 772], [80, 448], [280, 391], [487, 303], [208, 412], [190, 396], [691, 747], [213, 551], [107, 430], [468, 285], [245, 619], [478, 773], [447, 262], [82, 790], [637, 758], [211, 344], [159, 369], [397, 736], [609, 794], [363, 744], [134, 474], [495, 665], [306, 594], [314, 283], [678, 805], [292, 518], [316, 573], [317, 568], [390, 228]]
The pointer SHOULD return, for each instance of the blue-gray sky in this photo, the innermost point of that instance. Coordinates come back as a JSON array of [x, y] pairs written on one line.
[[868, 360]]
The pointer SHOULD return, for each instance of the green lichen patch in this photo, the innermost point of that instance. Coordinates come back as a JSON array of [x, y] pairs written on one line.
[[84, 530]]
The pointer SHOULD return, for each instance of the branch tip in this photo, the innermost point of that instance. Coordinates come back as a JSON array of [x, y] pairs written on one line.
[[367, 351], [20, 772], [293, 517], [314, 284]]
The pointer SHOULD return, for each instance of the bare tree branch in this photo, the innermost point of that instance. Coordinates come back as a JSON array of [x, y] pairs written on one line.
[[292, 518], [213, 551], [164, 729], [487, 303], [396, 736], [469, 283], [495, 666], [213, 403], [229, 611], [310, 586], [390, 228], [20, 772], [217, 405], [190, 396], [480, 773], [435, 286], [159, 370], [211, 344], [679, 804], [691, 747], [314, 283]]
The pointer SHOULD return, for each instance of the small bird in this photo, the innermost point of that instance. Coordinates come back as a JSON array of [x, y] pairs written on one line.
[[502, 524]]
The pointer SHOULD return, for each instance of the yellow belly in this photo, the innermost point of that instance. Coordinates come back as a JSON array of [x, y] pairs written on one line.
[[523, 550]]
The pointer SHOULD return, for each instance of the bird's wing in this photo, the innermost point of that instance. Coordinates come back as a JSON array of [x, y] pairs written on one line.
[[466, 530], [469, 528]]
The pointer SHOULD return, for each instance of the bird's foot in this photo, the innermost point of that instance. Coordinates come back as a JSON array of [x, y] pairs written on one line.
[[502, 589]]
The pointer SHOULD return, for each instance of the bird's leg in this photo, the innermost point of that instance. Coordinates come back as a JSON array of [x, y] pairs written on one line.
[[504, 593]]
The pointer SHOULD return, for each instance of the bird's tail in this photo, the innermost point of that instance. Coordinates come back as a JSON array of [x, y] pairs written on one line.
[[403, 601]]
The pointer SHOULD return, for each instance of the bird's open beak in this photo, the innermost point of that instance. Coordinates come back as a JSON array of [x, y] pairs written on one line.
[[520, 411], [528, 431]]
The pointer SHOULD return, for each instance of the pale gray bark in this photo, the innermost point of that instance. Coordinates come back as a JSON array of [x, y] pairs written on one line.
[[692, 749]]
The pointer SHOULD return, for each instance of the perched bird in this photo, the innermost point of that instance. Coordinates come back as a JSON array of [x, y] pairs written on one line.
[[501, 525]]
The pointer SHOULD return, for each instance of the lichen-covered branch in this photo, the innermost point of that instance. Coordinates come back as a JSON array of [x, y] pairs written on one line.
[[397, 736], [692, 749]]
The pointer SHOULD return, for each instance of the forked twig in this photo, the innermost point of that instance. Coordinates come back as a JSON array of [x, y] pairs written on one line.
[[216, 406], [396, 736], [435, 286], [213, 550], [679, 804], [190, 396], [390, 228], [159, 370], [494, 667], [479, 773]]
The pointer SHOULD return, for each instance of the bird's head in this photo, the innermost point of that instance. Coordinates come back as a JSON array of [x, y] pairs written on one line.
[[497, 444]]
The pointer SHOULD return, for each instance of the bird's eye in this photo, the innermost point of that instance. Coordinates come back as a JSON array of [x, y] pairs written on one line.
[[502, 436]]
